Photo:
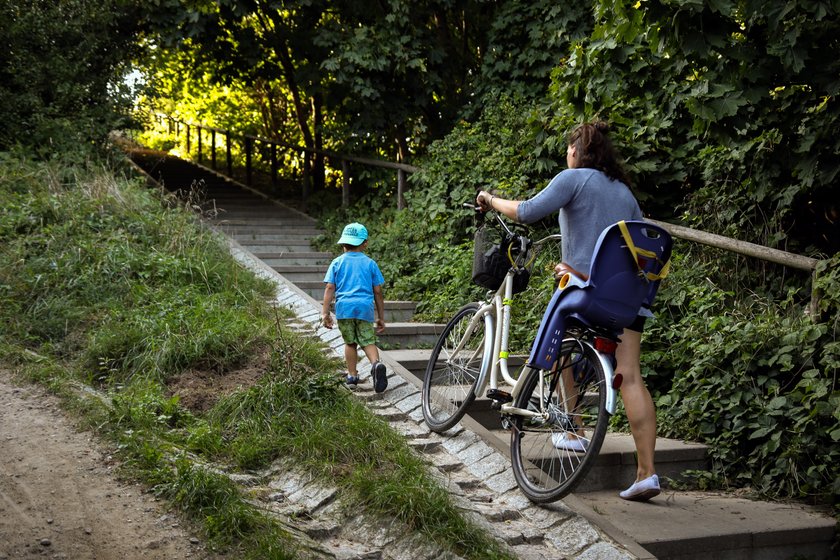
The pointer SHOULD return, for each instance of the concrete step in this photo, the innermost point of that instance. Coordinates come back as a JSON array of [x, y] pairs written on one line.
[[261, 214], [301, 273], [236, 229], [264, 219], [314, 289], [290, 234], [397, 311], [410, 335], [309, 258], [683, 525], [280, 230], [292, 246], [615, 468], [415, 359], [255, 222]]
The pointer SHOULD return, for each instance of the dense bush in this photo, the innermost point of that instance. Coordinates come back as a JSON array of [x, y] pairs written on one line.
[[62, 72]]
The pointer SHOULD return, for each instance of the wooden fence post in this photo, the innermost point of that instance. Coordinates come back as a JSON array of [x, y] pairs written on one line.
[[305, 184], [274, 165], [213, 148], [248, 147], [227, 154]]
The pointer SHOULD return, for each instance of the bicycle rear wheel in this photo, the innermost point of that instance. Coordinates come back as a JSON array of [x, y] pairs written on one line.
[[552, 452], [450, 379]]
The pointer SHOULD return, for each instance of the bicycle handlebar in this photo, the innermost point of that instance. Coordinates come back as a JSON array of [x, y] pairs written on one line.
[[552, 237]]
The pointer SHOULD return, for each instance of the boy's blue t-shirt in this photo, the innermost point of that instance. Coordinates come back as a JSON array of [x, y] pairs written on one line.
[[354, 275]]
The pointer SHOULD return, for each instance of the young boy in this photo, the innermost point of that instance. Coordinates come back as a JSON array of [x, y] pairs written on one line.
[[355, 281]]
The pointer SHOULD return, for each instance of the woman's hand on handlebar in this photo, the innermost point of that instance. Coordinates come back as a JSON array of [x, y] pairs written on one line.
[[483, 199]]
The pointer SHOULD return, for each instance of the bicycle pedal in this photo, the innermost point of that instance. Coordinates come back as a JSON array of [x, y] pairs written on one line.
[[499, 396]]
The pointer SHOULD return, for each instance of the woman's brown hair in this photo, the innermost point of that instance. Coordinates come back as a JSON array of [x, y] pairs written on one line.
[[595, 150]]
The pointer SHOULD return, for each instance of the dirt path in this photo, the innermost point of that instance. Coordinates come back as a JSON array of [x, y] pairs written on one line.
[[59, 497]]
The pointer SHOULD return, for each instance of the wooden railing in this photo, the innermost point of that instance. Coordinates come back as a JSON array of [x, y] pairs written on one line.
[[249, 147], [744, 248], [747, 249]]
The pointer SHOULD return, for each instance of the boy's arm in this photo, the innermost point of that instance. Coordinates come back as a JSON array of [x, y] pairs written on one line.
[[379, 301], [329, 294]]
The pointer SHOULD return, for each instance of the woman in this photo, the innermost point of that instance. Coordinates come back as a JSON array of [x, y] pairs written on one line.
[[593, 193]]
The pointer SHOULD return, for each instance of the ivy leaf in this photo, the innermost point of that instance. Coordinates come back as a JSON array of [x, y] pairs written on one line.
[[727, 106]]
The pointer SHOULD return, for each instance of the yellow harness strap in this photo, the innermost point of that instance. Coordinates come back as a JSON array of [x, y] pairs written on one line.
[[636, 252]]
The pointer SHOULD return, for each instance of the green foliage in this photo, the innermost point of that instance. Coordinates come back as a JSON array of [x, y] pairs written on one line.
[[381, 80], [489, 153], [728, 105], [61, 75], [526, 41]]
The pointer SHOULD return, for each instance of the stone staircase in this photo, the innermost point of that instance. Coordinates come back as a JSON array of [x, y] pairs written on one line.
[[676, 525]]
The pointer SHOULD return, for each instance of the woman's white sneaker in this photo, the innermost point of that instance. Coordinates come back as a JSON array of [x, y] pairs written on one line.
[[642, 490]]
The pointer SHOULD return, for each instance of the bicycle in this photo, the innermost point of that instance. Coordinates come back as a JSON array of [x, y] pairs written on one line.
[[559, 406]]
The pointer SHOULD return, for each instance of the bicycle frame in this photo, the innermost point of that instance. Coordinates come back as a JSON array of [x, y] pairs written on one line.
[[499, 305]]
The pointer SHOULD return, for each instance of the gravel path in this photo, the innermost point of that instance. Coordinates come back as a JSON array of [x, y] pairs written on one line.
[[59, 497]]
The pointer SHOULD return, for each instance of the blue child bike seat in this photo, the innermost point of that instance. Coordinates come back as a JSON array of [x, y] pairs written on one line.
[[629, 260]]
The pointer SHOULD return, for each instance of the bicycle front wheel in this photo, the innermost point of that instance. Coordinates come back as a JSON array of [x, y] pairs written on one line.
[[461, 354], [553, 449]]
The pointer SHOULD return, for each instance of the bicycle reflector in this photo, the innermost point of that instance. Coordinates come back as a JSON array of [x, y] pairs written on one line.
[[605, 345]]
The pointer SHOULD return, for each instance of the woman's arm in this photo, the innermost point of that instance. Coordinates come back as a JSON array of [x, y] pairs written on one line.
[[487, 201]]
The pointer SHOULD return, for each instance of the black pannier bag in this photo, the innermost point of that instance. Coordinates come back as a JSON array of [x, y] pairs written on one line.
[[491, 263]]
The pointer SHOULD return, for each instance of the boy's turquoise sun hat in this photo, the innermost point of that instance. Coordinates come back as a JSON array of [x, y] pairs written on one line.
[[354, 234]]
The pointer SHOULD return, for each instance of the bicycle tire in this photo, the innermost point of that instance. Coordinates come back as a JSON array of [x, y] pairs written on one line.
[[449, 381], [544, 472]]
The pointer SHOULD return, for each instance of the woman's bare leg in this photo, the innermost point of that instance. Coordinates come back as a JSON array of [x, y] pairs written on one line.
[[637, 402]]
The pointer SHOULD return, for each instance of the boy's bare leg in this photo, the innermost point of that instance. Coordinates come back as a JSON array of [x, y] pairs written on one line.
[[372, 353], [351, 357]]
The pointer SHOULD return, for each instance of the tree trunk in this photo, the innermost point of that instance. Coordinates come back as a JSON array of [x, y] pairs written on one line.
[[318, 167]]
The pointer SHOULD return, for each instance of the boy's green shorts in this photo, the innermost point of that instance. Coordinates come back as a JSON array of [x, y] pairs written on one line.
[[356, 331]]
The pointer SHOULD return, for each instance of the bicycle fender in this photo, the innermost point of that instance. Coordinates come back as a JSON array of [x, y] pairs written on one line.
[[609, 375], [488, 360], [549, 337]]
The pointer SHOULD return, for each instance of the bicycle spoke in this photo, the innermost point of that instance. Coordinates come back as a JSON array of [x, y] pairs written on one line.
[[454, 368], [552, 452]]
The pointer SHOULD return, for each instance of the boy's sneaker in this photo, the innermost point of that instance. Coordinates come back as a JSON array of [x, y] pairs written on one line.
[[351, 381], [642, 490], [380, 377]]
